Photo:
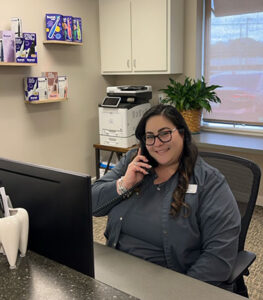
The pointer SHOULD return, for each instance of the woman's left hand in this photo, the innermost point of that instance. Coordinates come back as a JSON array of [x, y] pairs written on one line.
[[136, 170]]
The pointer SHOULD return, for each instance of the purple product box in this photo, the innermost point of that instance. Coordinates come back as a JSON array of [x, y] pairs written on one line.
[[54, 27], [20, 52], [67, 28], [30, 48], [31, 88], [77, 30], [8, 41]]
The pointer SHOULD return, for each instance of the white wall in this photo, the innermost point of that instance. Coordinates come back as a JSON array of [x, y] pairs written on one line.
[[55, 134]]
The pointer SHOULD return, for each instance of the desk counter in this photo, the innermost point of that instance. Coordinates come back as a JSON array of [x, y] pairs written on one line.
[[149, 281], [39, 278]]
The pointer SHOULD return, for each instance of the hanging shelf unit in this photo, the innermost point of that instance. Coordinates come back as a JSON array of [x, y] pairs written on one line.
[[15, 64], [46, 101], [63, 43]]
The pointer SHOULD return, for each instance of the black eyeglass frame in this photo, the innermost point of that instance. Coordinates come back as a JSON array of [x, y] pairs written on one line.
[[159, 136]]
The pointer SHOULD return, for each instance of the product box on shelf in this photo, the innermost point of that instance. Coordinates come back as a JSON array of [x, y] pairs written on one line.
[[35, 88], [31, 86], [30, 47], [52, 84], [54, 27], [8, 45], [16, 26], [42, 88], [1, 50], [63, 87], [67, 28], [20, 50], [77, 30]]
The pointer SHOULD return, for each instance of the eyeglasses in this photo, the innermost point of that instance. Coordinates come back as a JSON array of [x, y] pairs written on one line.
[[164, 136]]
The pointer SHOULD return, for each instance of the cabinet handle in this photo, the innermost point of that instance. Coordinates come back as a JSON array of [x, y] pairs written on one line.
[[128, 63], [134, 63]]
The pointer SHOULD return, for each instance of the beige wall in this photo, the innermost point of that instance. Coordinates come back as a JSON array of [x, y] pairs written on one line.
[[57, 134], [62, 134]]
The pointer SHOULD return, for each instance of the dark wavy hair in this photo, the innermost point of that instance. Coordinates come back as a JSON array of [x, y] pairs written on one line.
[[188, 156]]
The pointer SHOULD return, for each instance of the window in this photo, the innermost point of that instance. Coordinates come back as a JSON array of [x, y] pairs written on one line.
[[233, 58]]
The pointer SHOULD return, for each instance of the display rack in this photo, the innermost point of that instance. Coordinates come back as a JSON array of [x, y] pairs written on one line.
[[63, 43], [46, 101], [15, 64]]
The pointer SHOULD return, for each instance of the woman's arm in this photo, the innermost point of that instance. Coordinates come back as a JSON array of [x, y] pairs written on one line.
[[219, 220], [104, 189], [109, 190]]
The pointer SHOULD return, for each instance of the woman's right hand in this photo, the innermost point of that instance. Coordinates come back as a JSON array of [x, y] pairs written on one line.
[[136, 170]]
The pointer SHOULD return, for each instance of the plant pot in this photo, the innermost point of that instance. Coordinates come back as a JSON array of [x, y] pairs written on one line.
[[193, 119]]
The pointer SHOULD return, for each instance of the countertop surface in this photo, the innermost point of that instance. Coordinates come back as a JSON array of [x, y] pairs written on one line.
[[39, 278]]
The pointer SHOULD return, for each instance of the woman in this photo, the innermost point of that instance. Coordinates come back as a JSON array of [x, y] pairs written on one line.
[[166, 205]]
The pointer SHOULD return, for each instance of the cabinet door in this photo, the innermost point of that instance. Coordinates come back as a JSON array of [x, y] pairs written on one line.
[[149, 35], [115, 35]]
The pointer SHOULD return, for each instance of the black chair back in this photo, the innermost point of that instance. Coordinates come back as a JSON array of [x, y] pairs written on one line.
[[243, 177]]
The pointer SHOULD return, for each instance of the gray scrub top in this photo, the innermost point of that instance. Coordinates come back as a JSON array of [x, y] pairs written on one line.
[[203, 245]]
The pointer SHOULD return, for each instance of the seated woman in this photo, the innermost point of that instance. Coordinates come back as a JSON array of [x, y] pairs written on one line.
[[165, 204]]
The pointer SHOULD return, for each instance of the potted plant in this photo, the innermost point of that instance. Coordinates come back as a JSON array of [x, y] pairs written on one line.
[[190, 98]]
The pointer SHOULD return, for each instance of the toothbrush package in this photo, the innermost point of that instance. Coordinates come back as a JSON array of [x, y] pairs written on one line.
[[54, 27], [35, 88], [52, 84], [77, 30], [42, 88], [67, 28], [30, 47], [63, 87], [16, 26], [31, 86], [1, 50], [20, 53], [8, 45]]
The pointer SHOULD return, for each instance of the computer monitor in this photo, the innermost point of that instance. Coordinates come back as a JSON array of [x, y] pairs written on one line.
[[59, 206]]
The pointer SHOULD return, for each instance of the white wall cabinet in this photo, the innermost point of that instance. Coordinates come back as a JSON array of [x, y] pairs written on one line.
[[141, 36]]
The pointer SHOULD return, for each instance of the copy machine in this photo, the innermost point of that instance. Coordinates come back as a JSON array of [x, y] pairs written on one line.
[[120, 113]]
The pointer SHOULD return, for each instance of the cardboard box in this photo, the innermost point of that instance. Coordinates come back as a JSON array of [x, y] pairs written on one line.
[[16, 26], [67, 28], [31, 85], [52, 84], [54, 27], [20, 50], [63, 87], [77, 30], [42, 88], [8, 45], [30, 47], [1, 50]]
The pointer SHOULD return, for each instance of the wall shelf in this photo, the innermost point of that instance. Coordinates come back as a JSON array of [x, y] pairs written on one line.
[[46, 101], [15, 64], [63, 43]]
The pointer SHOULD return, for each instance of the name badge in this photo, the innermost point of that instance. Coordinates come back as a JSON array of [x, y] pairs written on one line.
[[192, 188]]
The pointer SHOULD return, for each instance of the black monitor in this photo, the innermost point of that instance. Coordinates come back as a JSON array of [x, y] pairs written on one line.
[[59, 206]]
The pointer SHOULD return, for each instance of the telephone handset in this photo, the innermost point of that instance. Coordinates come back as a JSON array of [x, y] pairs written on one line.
[[151, 160]]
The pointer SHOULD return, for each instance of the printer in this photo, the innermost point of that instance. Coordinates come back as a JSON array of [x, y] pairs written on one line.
[[120, 113]]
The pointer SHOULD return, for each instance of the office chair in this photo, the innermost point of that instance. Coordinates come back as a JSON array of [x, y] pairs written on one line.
[[243, 177]]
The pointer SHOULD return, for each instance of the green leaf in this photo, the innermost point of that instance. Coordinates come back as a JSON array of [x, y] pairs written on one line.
[[191, 94]]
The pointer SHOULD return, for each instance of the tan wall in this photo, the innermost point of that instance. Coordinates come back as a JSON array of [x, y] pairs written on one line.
[[58, 134], [62, 134]]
